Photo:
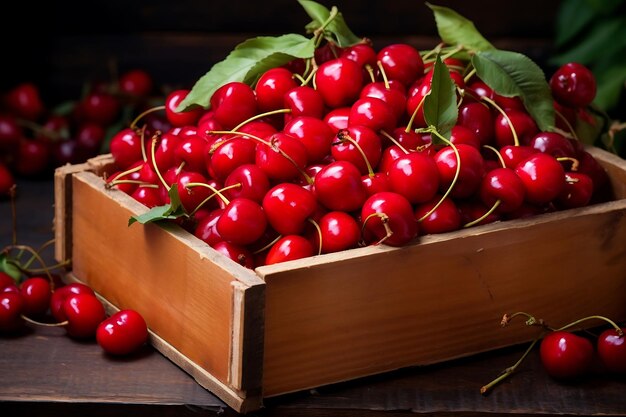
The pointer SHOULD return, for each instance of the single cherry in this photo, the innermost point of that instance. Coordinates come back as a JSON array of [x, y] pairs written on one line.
[[123, 333], [565, 355]]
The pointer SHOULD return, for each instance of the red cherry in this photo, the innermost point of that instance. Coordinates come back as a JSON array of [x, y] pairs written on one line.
[[373, 113], [272, 160], [192, 196], [11, 304], [233, 103], [24, 100], [366, 139], [339, 82], [577, 191], [186, 118], [148, 196], [272, 87], [553, 144], [289, 248], [226, 154], [362, 53], [242, 222], [236, 253], [60, 294], [288, 206], [10, 133], [472, 210], [393, 93], [252, 183], [122, 333], [337, 119], [206, 229], [89, 138], [444, 218], [339, 231], [5, 280], [375, 183], [565, 355], [6, 180], [611, 349], [126, 148], [415, 176], [463, 135], [136, 83], [477, 117], [315, 135], [190, 150], [573, 85], [36, 294], [543, 178], [303, 101], [100, 107], [513, 155], [32, 158], [338, 187], [84, 313], [401, 62], [471, 170], [520, 121], [396, 212], [502, 184]]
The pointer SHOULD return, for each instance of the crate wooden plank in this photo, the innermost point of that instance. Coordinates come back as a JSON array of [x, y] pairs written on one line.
[[191, 296]]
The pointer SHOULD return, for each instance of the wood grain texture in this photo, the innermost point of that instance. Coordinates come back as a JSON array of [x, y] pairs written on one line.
[[341, 316]]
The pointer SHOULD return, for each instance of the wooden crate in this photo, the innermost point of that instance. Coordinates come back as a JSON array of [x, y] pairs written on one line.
[[247, 335]]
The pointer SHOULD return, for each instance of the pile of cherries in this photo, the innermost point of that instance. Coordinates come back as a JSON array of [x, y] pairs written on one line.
[[34, 139], [296, 165], [45, 301]]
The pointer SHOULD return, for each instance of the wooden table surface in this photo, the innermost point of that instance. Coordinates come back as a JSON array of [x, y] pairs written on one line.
[[45, 373]]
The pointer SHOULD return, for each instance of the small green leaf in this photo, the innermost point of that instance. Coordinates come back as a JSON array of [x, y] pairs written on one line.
[[247, 62], [440, 108], [170, 211], [512, 74], [455, 29], [337, 29], [8, 266]]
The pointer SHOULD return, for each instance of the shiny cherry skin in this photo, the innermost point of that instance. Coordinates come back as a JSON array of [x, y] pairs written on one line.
[[227, 153], [401, 62], [513, 155], [520, 121], [289, 248], [393, 93], [60, 294], [147, 196], [394, 210], [190, 151], [577, 191], [288, 207], [375, 183], [362, 53], [565, 355], [471, 172], [303, 101], [237, 253], [337, 119], [315, 135], [553, 144], [192, 196], [339, 82], [543, 178], [206, 229], [503, 185], [123, 333], [101, 108], [272, 160], [36, 294], [126, 148], [271, 88], [338, 187], [339, 231], [366, 139], [249, 181], [445, 218], [611, 348], [415, 176], [233, 103], [11, 305], [84, 313], [242, 222], [477, 117], [176, 118], [373, 113], [573, 85]]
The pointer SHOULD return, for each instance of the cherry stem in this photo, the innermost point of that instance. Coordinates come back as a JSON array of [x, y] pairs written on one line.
[[154, 164], [530, 320], [433, 51], [230, 187], [319, 32], [383, 74], [409, 125], [39, 250], [574, 161], [143, 148], [319, 234], [484, 216], [385, 222], [127, 172], [210, 187], [469, 75], [567, 123], [576, 322], [395, 141], [29, 249], [259, 116], [370, 72], [133, 124], [269, 245], [39, 129], [343, 135], [491, 148], [39, 323], [506, 116], [433, 131], [508, 371]]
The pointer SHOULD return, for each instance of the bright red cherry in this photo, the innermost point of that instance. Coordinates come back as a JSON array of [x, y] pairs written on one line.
[[283, 158], [11, 304], [503, 185], [272, 87], [565, 355], [521, 122], [415, 176], [374, 113], [471, 170], [36, 294], [338, 187], [573, 85], [401, 62], [242, 222], [315, 135], [543, 178], [339, 81], [288, 207], [339, 231], [60, 294], [477, 117], [611, 348], [289, 248], [444, 218], [176, 118], [337, 119], [84, 313], [389, 217], [123, 333], [303, 101], [233, 103], [350, 140], [126, 148]]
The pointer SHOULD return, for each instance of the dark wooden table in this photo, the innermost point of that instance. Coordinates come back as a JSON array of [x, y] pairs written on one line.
[[45, 373]]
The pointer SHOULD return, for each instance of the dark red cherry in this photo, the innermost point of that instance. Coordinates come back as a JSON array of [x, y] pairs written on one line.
[[573, 85], [136, 83], [543, 178]]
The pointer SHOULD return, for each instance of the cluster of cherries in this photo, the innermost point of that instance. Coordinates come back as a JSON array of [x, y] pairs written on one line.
[[38, 299], [35, 139], [302, 163], [567, 355]]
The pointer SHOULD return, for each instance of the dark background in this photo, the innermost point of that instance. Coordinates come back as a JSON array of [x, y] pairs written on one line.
[[62, 45]]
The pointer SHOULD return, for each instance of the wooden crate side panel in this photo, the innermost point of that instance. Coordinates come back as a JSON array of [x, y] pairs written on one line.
[[185, 294], [442, 299], [63, 210]]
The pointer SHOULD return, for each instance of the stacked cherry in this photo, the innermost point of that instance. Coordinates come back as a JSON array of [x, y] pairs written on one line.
[[34, 138], [569, 355], [299, 165], [74, 307]]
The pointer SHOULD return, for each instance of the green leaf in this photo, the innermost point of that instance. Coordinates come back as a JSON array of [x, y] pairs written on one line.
[[455, 29], [247, 62], [512, 74], [8, 266], [337, 29], [440, 104], [170, 211]]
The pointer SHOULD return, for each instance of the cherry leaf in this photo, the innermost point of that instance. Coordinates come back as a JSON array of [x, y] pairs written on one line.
[[455, 29], [246, 63], [337, 29], [8, 267], [440, 106], [170, 211], [512, 74]]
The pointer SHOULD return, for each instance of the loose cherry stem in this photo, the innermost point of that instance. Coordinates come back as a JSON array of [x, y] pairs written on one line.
[[269, 245], [45, 268], [343, 135], [506, 116], [530, 320], [484, 216], [39, 323], [577, 322], [574, 162]]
